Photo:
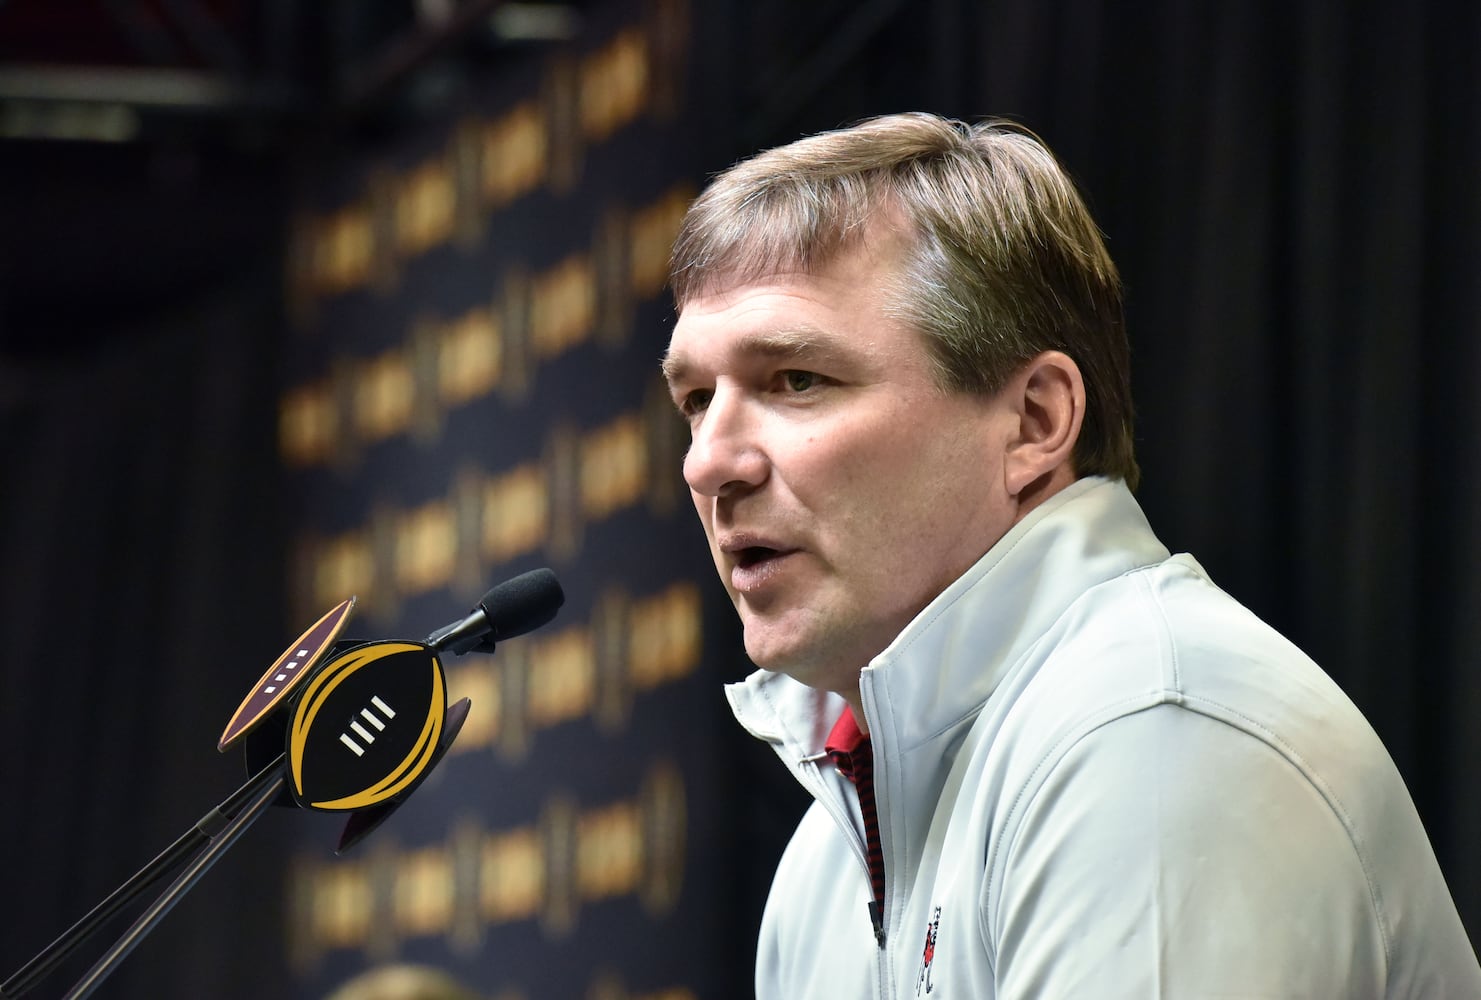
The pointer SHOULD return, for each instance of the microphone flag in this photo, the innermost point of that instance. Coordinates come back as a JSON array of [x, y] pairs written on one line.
[[286, 674], [367, 726]]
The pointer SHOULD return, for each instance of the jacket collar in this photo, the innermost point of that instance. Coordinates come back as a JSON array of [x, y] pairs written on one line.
[[947, 662]]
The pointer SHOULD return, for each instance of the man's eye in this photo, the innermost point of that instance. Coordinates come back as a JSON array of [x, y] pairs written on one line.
[[798, 381], [695, 402]]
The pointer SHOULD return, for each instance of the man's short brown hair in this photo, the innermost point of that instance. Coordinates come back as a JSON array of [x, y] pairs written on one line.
[[1004, 260]]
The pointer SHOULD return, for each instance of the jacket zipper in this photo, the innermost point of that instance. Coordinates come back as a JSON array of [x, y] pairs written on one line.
[[840, 815], [876, 908]]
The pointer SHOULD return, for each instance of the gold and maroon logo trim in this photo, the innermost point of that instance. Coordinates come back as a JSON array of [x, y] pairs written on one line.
[[286, 673]]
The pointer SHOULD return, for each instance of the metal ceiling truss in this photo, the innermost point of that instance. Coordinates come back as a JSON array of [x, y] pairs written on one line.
[[263, 62]]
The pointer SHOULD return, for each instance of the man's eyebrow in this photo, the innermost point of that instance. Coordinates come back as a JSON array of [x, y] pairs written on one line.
[[774, 345], [673, 367]]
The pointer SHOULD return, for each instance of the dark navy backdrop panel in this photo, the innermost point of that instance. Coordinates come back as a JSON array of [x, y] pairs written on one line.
[[473, 392]]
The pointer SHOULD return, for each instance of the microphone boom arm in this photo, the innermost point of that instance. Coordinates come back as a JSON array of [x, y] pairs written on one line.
[[205, 831]]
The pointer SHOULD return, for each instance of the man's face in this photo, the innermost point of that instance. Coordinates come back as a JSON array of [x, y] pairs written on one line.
[[840, 488]]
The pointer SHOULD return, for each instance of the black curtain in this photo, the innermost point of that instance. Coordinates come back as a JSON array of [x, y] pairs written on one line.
[[1290, 192], [140, 585]]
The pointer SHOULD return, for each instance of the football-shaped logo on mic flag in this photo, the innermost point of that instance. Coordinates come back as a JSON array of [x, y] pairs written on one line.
[[285, 675], [366, 727]]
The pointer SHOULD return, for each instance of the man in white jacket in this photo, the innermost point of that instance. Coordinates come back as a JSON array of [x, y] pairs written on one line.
[[1049, 758]]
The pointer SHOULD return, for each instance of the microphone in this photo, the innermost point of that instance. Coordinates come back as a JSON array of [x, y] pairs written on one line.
[[373, 720], [512, 608], [354, 727]]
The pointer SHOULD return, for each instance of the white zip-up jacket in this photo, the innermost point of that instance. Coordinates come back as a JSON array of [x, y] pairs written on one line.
[[1097, 775]]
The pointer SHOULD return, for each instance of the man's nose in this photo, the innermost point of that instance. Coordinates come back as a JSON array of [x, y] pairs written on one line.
[[726, 453]]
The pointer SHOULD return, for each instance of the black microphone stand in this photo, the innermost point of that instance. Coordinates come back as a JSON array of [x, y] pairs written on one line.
[[217, 830], [512, 608]]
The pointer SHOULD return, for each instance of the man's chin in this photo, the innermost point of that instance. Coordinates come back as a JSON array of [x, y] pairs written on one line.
[[811, 670], [779, 660]]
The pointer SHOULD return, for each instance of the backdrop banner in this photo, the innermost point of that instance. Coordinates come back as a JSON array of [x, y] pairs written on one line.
[[473, 391]]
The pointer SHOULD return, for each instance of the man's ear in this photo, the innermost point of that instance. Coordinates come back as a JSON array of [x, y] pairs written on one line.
[[1048, 399]]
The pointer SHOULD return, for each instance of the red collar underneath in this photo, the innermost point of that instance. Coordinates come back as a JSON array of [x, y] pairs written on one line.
[[846, 737]]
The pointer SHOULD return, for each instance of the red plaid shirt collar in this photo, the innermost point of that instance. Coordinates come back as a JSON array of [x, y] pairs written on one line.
[[853, 754], [844, 741]]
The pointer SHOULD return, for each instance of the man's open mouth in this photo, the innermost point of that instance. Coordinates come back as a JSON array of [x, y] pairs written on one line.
[[752, 555]]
